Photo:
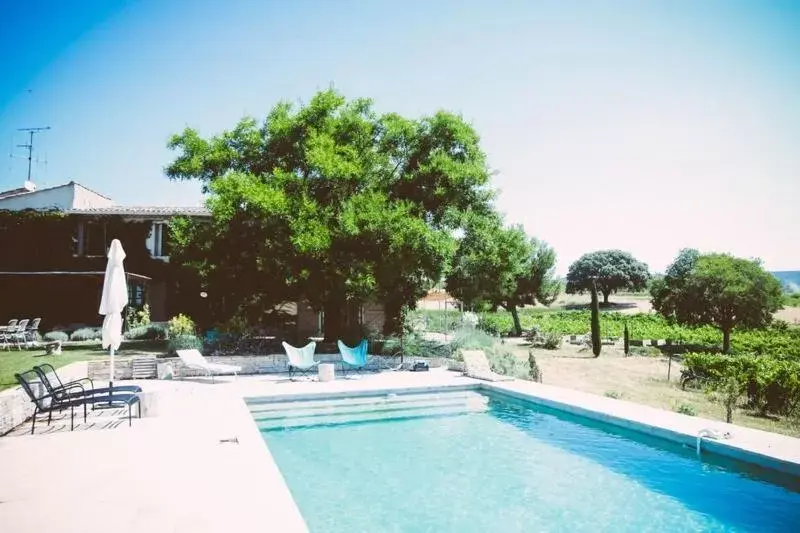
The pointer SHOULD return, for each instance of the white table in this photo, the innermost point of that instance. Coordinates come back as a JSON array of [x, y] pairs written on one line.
[[327, 372]]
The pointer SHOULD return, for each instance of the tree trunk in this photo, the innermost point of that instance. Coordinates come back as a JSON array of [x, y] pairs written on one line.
[[726, 340], [392, 318], [515, 315], [606, 294], [333, 320]]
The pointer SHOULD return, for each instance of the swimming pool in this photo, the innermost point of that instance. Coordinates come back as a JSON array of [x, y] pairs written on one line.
[[463, 461]]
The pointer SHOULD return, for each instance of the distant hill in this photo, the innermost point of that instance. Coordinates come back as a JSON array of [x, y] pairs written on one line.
[[790, 279]]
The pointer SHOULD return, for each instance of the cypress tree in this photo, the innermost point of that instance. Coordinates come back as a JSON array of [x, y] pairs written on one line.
[[627, 340], [596, 345]]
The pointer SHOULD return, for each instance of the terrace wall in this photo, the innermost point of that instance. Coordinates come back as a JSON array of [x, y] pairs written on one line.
[[254, 364]]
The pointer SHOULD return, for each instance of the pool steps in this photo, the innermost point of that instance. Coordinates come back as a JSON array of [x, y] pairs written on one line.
[[306, 413]]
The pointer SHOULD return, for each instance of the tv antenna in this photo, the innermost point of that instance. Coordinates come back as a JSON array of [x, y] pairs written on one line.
[[29, 146]]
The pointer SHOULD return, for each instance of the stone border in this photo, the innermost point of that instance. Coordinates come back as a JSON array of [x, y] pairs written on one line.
[[773, 451]]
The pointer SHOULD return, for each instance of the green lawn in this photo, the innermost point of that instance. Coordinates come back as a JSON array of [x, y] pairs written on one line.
[[13, 361]]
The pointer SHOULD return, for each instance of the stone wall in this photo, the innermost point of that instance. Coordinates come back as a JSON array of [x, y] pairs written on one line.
[[16, 407], [254, 364]]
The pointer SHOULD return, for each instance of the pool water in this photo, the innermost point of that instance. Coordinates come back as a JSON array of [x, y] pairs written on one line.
[[464, 462]]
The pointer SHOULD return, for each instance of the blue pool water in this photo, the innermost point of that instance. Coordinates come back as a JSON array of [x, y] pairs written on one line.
[[467, 463]]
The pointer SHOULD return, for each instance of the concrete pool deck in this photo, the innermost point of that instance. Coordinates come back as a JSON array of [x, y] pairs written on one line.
[[169, 472]]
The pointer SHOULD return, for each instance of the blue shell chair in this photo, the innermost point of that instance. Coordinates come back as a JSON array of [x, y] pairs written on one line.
[[354, 358], [301, 360]]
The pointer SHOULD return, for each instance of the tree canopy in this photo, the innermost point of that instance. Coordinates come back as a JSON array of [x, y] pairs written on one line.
[[719, 290], [502, 267], [612, 269], [330, 203]]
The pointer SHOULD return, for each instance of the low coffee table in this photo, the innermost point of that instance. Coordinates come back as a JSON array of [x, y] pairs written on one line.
[[327, 372]]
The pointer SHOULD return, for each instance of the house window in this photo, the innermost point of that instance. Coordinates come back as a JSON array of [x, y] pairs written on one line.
[[136, 295], [94, 238], [161, 239]]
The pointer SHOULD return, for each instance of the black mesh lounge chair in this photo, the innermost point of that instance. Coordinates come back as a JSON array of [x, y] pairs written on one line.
[[46, 402], [54, 385]]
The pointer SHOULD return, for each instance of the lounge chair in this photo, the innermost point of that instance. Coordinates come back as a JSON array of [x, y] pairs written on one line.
[[7, 333], [194, 359], [301, 359], [45, 402], [31, 331], [477, 366], [49, 378], [18, 334], [355, 358]]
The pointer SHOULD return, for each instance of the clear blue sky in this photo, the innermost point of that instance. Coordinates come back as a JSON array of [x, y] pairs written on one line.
[[649, 126]]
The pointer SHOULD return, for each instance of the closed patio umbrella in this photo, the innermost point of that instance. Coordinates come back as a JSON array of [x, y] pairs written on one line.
[[113, 301]]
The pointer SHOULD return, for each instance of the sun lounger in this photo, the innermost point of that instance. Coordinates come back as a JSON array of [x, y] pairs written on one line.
[[195, 360], [301, 359], [477, 366], [49, 378], [45, 402]]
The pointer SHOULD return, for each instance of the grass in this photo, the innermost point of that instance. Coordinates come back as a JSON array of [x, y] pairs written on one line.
[[14, 361]]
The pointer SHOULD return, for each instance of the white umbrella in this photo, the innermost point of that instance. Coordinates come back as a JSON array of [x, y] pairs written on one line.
[[113, 301]]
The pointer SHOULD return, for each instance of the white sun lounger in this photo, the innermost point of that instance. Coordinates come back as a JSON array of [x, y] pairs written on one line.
[[477, 366], [194, 359]]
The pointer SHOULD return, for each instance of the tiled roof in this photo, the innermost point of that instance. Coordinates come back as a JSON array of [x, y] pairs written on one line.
[[149, 211], [13, 192]]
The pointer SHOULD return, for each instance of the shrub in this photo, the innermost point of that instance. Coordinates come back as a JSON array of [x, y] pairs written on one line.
[[647, 351], [535, 371], [471, 339], [413, 345], [551, 341], [52, 336], [504, 361], [491, 324], [181, 325], [613, 394], [183, 342], [686, 409], [148, 332], [727, 391], [136, 317], [771, 384], [86, 334]]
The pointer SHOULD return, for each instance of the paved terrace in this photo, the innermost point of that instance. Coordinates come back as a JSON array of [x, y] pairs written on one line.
[[169, 472]]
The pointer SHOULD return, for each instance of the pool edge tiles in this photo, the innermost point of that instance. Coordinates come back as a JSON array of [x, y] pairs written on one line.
[[761, 448]]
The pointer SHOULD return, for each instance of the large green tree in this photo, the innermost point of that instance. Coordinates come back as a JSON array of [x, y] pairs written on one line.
[[502, 267], [719, 290], [331, 203], [611, 269]]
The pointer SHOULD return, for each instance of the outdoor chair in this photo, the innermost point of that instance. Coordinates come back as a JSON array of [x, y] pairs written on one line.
[[477, 366], [45, 402], [301, 360], [6, 332], [353, 358], [19, 333], [31, 331], [52, 382], [194, 359]]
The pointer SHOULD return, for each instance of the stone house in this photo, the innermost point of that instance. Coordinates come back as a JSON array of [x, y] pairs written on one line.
[[54, 242]]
